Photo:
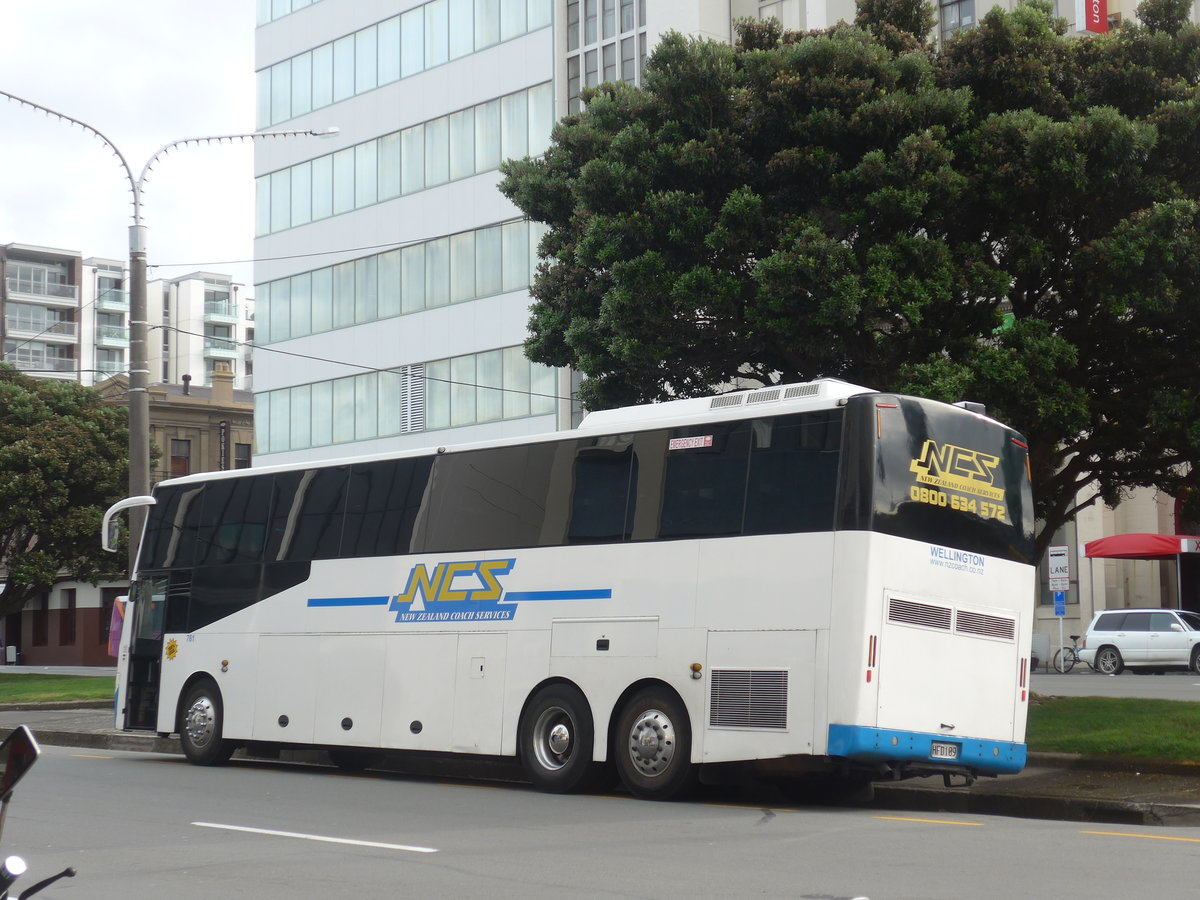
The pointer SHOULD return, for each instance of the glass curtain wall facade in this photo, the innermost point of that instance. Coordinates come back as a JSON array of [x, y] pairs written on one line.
[[392, 277]]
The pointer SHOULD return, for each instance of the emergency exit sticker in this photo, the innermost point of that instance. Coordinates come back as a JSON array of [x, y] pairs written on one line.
[[690, 443]]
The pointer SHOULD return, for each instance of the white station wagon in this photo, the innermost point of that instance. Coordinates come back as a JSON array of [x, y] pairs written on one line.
[[1145, 640]]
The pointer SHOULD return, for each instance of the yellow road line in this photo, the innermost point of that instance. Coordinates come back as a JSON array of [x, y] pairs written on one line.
[[928, 821], [1148, 837], [89, 756]]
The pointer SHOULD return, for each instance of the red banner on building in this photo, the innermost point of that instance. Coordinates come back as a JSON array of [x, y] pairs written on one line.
[[1095, 16]]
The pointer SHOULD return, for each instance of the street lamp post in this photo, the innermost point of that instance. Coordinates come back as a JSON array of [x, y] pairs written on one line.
[[139, 366]]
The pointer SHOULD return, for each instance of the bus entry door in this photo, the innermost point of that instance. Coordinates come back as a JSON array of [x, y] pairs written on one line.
[[142, 671]]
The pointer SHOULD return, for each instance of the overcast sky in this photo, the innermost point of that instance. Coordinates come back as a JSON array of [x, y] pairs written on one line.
[[144, 73]]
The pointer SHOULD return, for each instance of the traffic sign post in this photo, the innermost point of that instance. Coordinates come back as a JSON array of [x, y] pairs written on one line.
[[1060, 583], [1060, 568]]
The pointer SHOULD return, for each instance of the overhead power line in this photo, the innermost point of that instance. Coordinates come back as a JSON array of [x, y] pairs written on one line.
[[259, 348]]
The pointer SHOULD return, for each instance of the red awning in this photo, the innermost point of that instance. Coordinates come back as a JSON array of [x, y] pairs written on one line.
[[1141, 546]]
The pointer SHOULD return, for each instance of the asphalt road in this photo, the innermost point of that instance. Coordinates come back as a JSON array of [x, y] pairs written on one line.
[[1083, 682], [144, 825]]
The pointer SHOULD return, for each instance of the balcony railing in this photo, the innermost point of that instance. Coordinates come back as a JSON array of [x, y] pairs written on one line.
[[27, 328], [216, 311], [110, 367], [110, 335], [44, 364], [117, 301], [41, 289], [218, 347]]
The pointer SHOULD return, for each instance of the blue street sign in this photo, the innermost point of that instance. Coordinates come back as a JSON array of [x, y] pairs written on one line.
[[1060, 603]]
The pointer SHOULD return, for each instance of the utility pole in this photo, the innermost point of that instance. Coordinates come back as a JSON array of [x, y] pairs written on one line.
[[139, 384]]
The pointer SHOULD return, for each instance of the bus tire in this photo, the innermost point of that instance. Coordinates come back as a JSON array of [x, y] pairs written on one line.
[[556, 736], [653, 745], [201, 723]]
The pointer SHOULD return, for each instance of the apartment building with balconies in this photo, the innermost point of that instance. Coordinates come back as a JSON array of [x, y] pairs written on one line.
[[65, 316], [41, 310], [204, 320]]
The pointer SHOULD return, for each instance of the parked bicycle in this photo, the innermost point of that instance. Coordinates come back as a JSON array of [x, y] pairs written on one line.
[[1065, 658]]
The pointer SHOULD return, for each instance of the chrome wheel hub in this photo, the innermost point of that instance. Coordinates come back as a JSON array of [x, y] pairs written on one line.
[[200, 722], [652, 743], [553, 738]]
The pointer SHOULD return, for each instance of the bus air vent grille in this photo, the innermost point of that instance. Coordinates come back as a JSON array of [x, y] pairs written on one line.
[[765, 396], [802, 390], [985, 625], [748, 698], [726, 400], [909, 612]]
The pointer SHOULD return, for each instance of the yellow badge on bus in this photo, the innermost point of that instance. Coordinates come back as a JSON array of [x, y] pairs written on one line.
[[172, 648]]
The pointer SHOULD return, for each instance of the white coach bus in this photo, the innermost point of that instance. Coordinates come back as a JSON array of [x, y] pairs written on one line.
[[818, 580]]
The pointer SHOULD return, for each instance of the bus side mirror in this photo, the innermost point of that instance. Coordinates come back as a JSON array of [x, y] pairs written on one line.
[[17, 754], [110, 529]]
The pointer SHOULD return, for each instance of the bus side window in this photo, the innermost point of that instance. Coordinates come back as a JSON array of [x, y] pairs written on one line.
[[793, 473], [489, 499], [704, 491], [160, 527], [181, 545], [383, 504], [308, 524], [602, 495], [233, 521]]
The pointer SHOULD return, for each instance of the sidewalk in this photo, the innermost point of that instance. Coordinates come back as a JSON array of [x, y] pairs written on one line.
[[1053, 786]]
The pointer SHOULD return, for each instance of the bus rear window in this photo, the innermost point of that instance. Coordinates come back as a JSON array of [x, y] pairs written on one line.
[[940, 475]]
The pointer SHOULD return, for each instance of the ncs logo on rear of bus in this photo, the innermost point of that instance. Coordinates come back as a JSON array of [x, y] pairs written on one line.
[[460, 591], [958, 468], [959, 478]]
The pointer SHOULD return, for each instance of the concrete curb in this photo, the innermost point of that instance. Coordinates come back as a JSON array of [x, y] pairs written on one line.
[[116, 740], [1113, 764], [1033, 806], [58, 704]]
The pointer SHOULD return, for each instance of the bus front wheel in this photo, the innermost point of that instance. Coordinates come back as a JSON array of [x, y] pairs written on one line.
[[201, 726], [556, 739], [653, 745]]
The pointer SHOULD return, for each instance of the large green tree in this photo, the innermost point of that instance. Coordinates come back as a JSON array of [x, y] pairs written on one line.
[[1012, 218], [63, 461]]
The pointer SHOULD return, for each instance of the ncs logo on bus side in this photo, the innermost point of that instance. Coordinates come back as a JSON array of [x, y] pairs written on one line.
[[474, 587], [460, 591]]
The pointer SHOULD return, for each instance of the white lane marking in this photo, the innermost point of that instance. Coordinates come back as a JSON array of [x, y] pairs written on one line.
[[317, 837]]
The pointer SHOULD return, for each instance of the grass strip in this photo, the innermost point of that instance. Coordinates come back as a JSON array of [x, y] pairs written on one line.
[[1115, 726], [55, 688]]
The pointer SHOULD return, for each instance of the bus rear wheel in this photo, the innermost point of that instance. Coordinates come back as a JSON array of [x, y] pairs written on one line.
[[653, 746], [201, 724], [556, 736]]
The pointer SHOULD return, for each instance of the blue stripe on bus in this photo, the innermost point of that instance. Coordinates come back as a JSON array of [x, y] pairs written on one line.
[[878, 744], [349, 601], [515, 596]]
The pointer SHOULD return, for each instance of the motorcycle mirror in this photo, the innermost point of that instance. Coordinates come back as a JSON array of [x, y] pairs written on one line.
[[18, 752]]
